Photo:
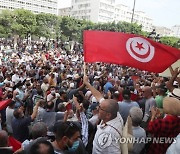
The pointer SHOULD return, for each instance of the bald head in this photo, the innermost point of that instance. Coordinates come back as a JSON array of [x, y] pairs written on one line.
[[147, 92], [3, 138], [111, 106]]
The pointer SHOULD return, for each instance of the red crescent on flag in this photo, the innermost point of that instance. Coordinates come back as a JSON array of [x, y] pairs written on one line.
[[140, 56]]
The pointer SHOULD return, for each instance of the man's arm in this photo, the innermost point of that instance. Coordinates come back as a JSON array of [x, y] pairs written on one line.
[[171, 81], [94, 91], [35, 111]]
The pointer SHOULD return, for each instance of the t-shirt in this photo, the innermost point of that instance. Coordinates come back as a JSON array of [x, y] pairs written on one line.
[[9, 117], [124, 108], [148, 105], [107, 86], [138, 133], [159, 101], [94, 120], [20, 128]]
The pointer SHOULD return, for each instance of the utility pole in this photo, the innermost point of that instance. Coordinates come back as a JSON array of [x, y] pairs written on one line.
[[133, 11]]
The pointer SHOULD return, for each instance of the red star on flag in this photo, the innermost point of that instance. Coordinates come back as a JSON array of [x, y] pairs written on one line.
[[139, 45]]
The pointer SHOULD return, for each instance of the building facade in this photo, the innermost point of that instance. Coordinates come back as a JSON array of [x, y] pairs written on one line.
[[163, 31], [93, 10], [36, 6], [176, 30], [124, 13], [104, 11], [65, 11]]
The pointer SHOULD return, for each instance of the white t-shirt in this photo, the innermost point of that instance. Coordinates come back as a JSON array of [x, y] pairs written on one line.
[[9, 117], [94, 119]]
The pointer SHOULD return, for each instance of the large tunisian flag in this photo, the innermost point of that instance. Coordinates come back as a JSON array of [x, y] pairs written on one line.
[[128, 49]]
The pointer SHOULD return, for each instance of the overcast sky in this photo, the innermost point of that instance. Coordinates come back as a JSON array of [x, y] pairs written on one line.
[[163, 12]]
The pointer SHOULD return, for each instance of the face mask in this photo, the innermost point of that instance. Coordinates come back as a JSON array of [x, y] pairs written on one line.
[[53, 92], [74, 146]]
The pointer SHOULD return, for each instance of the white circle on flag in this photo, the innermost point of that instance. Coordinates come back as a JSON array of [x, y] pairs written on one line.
[[140, 49]]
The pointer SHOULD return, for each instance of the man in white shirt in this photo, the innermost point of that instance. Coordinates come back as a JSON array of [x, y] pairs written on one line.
[[45, 86], [9, 116], [109, 131], [15, 78], [94, 119]]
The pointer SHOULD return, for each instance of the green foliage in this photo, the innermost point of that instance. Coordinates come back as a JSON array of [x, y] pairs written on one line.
[[6, 19], [24, 22], [46, 25], [21, 22], [171, 41]]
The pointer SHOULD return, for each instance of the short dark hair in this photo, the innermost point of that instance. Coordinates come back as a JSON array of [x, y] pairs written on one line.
[[49, 105], [65, 129], [16, 113], [126, 94], [35, 148]]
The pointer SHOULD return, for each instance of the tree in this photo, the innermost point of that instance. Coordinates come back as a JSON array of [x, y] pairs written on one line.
[[46, 25], [6, 19], [171, 41], [24, 22]]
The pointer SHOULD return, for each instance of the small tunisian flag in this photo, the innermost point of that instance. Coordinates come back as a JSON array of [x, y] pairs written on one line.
[[128, 49]]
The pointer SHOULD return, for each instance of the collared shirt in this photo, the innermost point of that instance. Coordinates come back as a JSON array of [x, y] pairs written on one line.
[[174, 147], [107, 135], [84, 131], [167, 127]]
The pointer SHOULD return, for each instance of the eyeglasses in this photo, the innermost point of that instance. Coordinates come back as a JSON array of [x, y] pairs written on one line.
[[69, 125], [99, 107]]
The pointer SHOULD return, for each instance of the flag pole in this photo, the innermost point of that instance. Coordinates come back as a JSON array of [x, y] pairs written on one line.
[[84, 67]]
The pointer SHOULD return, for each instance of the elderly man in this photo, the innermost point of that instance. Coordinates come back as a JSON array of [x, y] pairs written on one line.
[[110, 127], [136, 115], [150, 102]]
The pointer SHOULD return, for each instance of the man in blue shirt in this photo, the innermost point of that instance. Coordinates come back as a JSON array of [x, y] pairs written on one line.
[[20, 123], [126, 104]]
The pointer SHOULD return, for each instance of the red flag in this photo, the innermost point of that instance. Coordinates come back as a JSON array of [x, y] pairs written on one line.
[[129, 50], [4, 103], [14, 143]]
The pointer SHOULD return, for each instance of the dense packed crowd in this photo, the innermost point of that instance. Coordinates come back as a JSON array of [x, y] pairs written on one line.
[[56, 104]]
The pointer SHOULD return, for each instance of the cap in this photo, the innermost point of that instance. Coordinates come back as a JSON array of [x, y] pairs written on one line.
[[175, 93], [93, 106]]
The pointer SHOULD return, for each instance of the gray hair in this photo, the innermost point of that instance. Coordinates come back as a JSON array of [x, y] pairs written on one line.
[[39, 130], [136, 116], [113, 107]]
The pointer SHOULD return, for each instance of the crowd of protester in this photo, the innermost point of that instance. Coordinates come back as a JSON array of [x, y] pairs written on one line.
[[58, 105]]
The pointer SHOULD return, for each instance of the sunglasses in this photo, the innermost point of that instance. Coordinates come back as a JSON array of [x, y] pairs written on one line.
[[69, 125]]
